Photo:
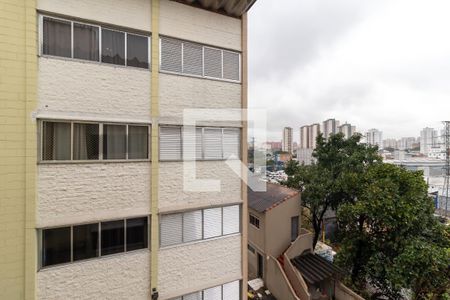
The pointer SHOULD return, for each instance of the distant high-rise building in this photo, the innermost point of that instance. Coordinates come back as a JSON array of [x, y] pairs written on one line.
[[374, 137], [314, 131], [390, 143], [287, 140], [330, 126], [304, 137], [406, 143], [347, 129], [428, 139]]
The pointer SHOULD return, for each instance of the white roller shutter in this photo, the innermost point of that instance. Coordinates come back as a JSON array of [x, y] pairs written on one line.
[[231, 65], [170, 143], [192, 59], [193, 296], [192, 143], [212, 140], [214, 293], [213, 62], [171, 55], [231, 291], [171, 229], [231, 219], [231, 143], [212, 222], [192, 226]]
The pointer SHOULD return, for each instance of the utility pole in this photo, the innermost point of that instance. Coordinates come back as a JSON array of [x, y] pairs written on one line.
[[446, 187]]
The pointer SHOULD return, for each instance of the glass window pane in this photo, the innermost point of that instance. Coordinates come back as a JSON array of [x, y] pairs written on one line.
[[56, 141], [137, 233], [57, 38], [85, 241], [212, 140], [170, 143], [137, 142], [85, 42], [137, 51], [112, 237], [231, 291], [231, 143], [170, 55], [231, 65], [55, 246], [212, 220], [114, 142], [113, 47], [85, 141], [231, 219], [192, 226], [192, 59], [214, 293], [194, 296], [171, 229], [213, 62]]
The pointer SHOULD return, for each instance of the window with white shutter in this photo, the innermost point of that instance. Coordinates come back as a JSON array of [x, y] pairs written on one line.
[[170, 143], [192, 59], [231, 291], [231, 219], [212, 222], [212, 141], [231, 65], [171, 55], [192, 226], [231, 143], [214, 293], [213, 62], [193, 296], [171, 229], [192, 143]]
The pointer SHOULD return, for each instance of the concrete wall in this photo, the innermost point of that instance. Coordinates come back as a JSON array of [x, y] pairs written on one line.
[[92, 90], [256, 236], [187, 268], [172, 195], [296, 279], [75, 193], [190, 23], [252, 263], [278, 226], [302, 243], [131, 13], [120, 276], [278, 283]]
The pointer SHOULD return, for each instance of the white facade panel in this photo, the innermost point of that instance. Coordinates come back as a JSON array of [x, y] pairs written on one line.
[[76, 193]]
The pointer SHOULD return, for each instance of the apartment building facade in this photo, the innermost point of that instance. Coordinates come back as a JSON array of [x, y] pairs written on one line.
[[93, 203], [287, 141]]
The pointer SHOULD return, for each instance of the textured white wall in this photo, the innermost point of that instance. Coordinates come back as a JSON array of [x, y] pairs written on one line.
[[188, 268], [131, 13], [122, 276], [199, 25], [172, 195], [92, 89], [74, 193]]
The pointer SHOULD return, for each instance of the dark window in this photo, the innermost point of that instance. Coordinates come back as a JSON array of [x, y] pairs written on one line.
[[113, 47], [137, 51], [56, 141], [137, 233], [57, 38], [85, 241], [250, 248], [85, 42], [137, 142], [85, 141], [112, 237], [294, 228], [114, 141], [55, 246], [254, 221]]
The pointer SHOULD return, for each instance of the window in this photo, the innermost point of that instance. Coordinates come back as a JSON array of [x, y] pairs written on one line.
[[57, 37], [71, 39], [112, 237], [193, 296], [170, 143], [55, 246], [198, 60], [85, 42], [254, 221], [212, 141], [231, 291], [251, 249], [227, 291], [137, 233], [119, 141], [199, 225], [56, 141], [137, 51], [231, 143], [214, 293], [85, 241]]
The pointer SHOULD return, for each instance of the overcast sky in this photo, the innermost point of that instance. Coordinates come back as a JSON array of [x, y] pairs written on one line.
[[376, 64]]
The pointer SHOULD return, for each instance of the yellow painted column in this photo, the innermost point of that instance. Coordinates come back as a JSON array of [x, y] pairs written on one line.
[[18, 81], [155, 146]]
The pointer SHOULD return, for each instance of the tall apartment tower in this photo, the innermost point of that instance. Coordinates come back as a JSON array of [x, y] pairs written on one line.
[[287, 140], [304, 137], [93, 203], [347, 129], [374, 137], [314, 131], [330, 126], [428, 139]]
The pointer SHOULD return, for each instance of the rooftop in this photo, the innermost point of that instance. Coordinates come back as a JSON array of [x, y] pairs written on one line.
[[233, 8], [273, 196], [315, 268]]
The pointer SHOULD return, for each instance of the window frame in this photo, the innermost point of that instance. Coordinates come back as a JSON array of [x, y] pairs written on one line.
[[221, 286], [100, 27], [256, 218]]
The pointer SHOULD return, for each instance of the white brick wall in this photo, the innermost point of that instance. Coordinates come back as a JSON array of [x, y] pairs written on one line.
[[188, 268], [92, 89], [172, 195], [74, 193], [131, 13], [121, 276], [199, 25]]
